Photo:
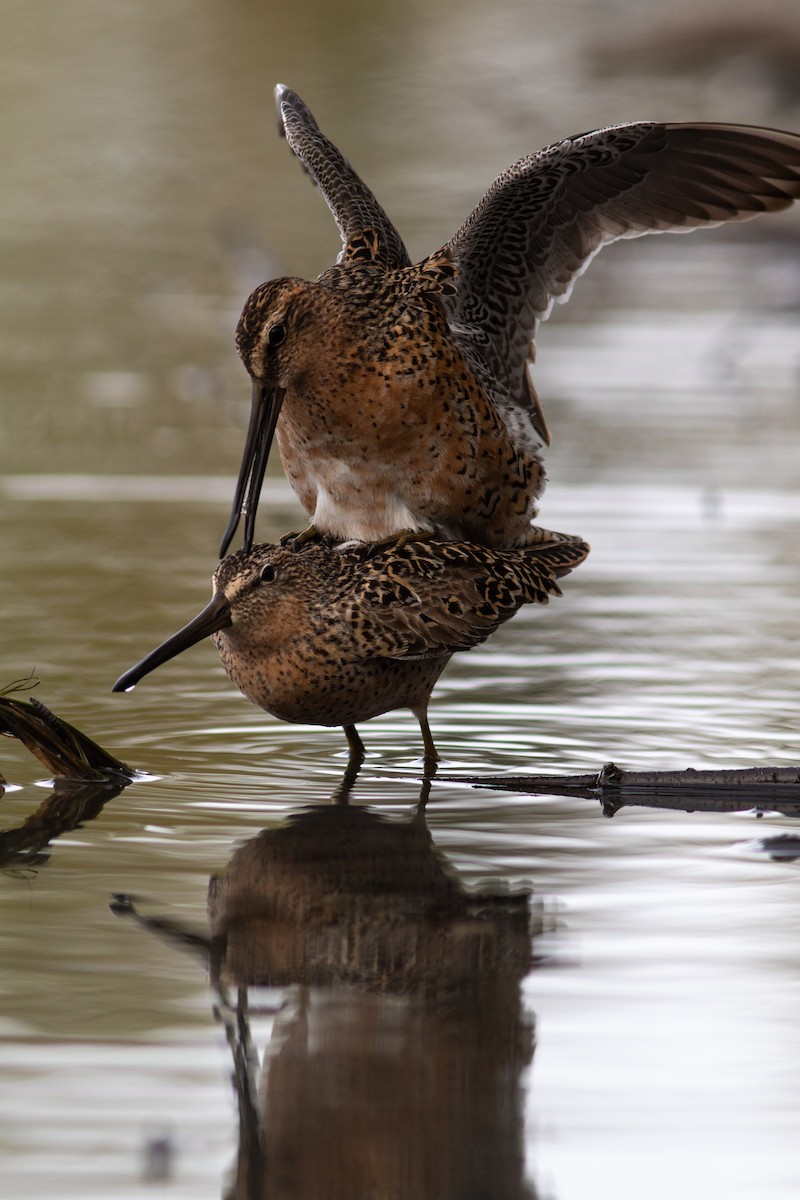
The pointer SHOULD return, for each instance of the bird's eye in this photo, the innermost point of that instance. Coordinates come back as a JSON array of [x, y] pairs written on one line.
[[276, 335], [267, 573]]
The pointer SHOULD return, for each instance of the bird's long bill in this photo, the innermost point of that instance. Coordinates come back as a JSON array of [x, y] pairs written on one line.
[[215, 616], [264, 412]]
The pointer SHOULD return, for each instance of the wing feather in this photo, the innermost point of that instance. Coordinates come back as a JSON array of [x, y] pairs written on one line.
[[545, 217], [429, 598], [353, 205]]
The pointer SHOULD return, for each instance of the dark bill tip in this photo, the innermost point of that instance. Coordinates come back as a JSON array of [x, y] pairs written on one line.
[[215, 616], [265, 407]]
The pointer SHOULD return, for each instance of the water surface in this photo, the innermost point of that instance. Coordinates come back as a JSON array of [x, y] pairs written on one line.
[[634, 1034]]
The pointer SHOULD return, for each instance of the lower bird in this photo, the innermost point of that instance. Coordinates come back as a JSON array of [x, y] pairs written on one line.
[[335, 635], [401, 395]]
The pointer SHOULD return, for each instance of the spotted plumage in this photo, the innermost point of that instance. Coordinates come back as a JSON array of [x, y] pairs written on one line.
[[382, 423], [334, 635], [401, 395]]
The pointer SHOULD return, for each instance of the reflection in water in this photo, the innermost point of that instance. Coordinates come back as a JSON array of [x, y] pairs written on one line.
[[785, 847], [68, 807], [394, 1064]]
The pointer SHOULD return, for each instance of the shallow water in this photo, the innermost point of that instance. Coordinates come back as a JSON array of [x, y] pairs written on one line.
[[635, 1035]]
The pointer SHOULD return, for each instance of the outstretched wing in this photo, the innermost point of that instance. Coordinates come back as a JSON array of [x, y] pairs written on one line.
[[353, 205], [544, 219], [429, 598]]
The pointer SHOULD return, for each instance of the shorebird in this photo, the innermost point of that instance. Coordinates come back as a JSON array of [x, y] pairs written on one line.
[[401, 393], [335, 635]]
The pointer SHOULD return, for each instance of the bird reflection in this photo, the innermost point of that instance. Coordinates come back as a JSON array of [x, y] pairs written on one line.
[[394, 1062]]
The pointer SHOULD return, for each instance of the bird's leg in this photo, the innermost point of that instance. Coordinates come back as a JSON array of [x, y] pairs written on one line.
[[431, 759], [342, 793], [357, 751]]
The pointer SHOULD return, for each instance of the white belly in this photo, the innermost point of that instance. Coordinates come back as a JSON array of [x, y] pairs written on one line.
[[348, 506]]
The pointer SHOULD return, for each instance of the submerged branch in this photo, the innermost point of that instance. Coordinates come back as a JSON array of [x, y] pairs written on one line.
[[726, 790]]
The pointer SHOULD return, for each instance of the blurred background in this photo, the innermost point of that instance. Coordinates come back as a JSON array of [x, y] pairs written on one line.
[[144, 190], [143, 193]]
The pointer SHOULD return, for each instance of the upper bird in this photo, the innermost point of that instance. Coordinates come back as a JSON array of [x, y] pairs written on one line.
[[400, 393], [336, 635]]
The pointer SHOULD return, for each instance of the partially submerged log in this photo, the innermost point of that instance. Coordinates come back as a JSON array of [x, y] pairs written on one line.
[[85, 775], [63, 749], [758, 788]]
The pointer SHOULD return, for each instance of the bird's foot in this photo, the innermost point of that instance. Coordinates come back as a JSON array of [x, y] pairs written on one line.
[[398, 540], [296, 541]]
